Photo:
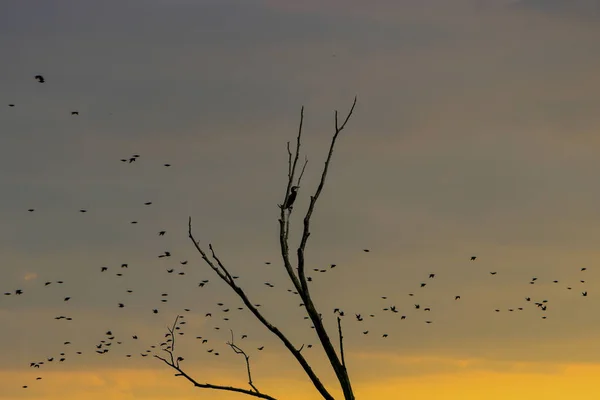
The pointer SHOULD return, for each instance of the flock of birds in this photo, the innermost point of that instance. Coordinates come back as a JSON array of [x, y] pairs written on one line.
[[110, 340]]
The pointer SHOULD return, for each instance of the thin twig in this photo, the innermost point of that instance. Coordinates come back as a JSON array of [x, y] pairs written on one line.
[[302, 172], [339, 322], [238, 350]]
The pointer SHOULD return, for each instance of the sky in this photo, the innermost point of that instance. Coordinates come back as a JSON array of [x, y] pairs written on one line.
[[475, 134]]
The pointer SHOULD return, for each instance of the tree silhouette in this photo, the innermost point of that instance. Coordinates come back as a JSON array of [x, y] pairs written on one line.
[[296, 275]]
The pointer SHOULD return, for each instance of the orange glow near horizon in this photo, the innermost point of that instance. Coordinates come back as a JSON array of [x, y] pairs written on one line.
[[575, 380]]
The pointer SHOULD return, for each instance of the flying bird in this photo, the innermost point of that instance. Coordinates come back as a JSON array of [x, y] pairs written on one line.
[[40, 78]]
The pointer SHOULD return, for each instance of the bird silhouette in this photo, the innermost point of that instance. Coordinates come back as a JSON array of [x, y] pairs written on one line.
[[289, 202]]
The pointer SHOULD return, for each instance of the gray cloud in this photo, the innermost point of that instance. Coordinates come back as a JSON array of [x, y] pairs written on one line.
[[475, 133]]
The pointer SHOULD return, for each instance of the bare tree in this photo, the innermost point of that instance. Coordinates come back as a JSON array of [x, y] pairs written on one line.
[[296, 274]]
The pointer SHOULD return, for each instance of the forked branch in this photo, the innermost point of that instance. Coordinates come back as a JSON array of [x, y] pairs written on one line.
[[297, 276], [224, 274], [300, 280], [238, 350], [174, 361]]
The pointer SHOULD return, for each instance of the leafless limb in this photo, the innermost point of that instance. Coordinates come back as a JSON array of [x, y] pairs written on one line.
[[226, 277], [238, 350], [301, 282], [297, 277], [302, 172], [339, 323], [211, 386], [171, 348], [173, 362]]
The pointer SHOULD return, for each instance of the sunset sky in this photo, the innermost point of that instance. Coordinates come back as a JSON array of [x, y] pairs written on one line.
[[476, 133]]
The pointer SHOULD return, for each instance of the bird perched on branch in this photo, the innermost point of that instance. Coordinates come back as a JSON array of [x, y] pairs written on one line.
[[291, 198]]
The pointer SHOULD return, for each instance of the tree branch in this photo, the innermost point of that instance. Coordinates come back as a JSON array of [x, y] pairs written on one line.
[[238, 350], [315, 197], [299, 280], [225, 276], [284, 221], [211, 386], [336, 364], [339, 322]]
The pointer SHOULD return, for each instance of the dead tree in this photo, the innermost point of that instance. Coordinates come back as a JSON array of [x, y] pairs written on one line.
[[296, 274]]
